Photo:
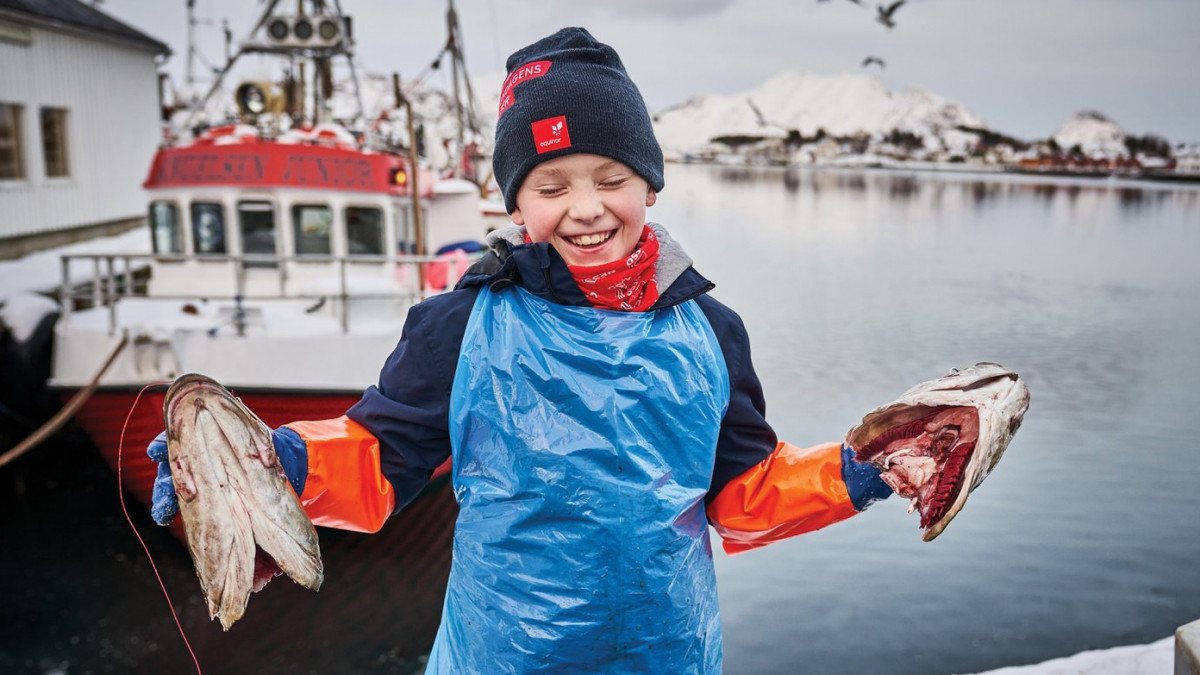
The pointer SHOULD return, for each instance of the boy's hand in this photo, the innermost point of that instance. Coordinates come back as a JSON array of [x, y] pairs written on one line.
[[164, 504], [289, 448]]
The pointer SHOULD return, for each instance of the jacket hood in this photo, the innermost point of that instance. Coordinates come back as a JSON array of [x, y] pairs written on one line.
[[538, 268]]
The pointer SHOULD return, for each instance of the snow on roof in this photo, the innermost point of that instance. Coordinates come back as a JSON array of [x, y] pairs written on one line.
[[78, 15]]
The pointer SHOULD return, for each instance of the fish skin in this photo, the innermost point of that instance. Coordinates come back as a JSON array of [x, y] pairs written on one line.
[[998, 395], [233, 497]]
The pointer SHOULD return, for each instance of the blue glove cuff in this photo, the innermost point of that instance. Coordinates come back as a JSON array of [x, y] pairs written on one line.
[[862, 481], [157, 450], [164, 505], [293, 457]]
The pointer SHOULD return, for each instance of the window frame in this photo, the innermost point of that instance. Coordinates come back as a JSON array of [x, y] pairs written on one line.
[[294, 212], [178, 234], [60, 124], [273, 209], [224, 233], [18, 146], [383, 244]]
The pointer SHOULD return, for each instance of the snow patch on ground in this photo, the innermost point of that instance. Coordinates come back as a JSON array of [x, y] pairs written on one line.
[[41, 272], [22, 312], [1156, 658]]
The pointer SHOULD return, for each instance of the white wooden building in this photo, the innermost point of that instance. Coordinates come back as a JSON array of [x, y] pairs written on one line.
[[79, 122]]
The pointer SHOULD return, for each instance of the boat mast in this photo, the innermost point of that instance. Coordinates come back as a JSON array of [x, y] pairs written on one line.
[[455, 56], [197, 106], [191, 50], [465, 114], [349, 50]]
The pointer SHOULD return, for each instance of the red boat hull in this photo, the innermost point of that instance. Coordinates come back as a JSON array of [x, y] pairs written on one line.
[[382, 597], [104, 415], [103, 418]]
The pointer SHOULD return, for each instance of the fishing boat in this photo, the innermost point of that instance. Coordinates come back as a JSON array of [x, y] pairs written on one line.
[[288, 246]]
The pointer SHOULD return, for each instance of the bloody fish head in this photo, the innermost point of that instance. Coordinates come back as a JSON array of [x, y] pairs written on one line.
[[242, 521], [939, 440]]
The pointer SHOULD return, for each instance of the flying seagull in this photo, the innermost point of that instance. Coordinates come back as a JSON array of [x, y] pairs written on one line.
[[876, 60], [885, 14]]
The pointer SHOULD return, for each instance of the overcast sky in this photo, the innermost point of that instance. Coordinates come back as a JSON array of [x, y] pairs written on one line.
[[1022, 65]]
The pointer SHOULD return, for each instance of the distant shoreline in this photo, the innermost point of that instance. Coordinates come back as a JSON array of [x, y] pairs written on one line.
[[957, 168]]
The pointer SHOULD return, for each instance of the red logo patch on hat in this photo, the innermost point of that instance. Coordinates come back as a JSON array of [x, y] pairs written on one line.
[[551, 134], [525, 72]]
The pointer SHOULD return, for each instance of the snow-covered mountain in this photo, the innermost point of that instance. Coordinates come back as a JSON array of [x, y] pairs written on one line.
[[841, 105], [1095, 134]]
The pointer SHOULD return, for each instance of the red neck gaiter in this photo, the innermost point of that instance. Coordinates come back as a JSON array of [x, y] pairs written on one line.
[[626, 285]]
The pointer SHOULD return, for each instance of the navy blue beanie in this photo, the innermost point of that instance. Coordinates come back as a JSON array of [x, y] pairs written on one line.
[[569, 93]]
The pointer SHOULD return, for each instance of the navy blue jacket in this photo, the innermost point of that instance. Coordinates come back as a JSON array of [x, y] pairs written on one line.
[[408, 412]]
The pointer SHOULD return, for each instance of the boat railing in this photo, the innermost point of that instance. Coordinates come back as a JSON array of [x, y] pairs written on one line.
[[92, 280]]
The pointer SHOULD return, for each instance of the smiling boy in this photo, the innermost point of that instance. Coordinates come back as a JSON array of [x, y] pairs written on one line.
[[591, 209], [600, 407]]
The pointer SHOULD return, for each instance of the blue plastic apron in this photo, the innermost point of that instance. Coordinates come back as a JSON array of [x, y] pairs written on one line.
[[583, 444]]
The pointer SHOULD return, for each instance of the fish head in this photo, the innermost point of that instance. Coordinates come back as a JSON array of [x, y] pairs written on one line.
[[182, 389], [940, 439], [193, 392]]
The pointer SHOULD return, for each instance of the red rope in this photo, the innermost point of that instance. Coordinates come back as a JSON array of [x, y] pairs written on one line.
[[121, 492]]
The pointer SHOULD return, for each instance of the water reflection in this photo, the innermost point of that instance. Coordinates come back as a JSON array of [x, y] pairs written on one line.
[[855, 285], [980, 189]]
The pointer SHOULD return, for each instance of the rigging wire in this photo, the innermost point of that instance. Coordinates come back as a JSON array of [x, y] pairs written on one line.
[[121, 493]]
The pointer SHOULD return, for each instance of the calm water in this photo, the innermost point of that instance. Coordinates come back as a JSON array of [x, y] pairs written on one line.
[[854, 286]]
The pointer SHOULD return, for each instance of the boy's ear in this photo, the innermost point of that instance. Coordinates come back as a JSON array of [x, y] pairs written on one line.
[[517, 218], [651, 197]]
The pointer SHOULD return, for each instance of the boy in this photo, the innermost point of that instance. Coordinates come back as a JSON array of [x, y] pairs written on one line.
[[600, 407]]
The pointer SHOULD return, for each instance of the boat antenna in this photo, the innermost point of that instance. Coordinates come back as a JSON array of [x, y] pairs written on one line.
[[199, 105], [191, 50], [349, 50], [194, 54], [458, 68], [321, 58]]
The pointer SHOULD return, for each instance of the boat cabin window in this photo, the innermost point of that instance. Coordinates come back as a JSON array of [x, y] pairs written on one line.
[[164, 228], [311, 225], [208, 228], [364, 230], [256, 223]]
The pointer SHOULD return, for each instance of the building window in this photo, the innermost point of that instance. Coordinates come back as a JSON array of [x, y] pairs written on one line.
[[164, 228], [54, 141], [364, 230], [10, 142], [208, 228], [311, 224]]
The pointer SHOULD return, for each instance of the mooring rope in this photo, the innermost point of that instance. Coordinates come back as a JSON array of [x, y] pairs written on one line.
[[60, 418]]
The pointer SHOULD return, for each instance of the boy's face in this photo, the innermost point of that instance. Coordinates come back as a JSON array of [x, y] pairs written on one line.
[[589, 207]]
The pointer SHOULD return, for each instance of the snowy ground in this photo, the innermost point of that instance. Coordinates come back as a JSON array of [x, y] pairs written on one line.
[[41, 271], [21, 280], [1157, 658]]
